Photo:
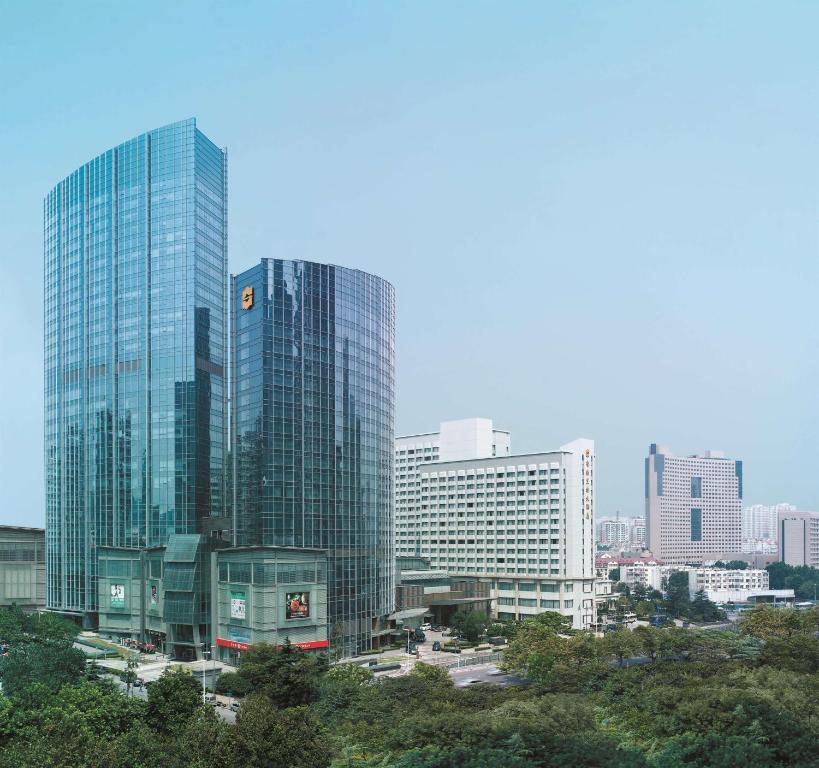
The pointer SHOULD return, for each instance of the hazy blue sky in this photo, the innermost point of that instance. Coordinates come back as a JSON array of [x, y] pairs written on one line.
[[601, 219]]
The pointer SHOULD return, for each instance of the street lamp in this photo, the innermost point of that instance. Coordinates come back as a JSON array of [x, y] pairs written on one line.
[[204, 653]]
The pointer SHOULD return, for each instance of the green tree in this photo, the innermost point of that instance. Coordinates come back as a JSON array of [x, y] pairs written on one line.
[[678, 600], [432, 673], [620, 645], [351, 673], [766, 623], [129, 674], [266, 737], [702, 609], [799, 653], [50, 626], [534, 650], [288, 677], [553, 621], [506, 629], [12, 625], [172, 700], [50, 663], [713, 750], [470, 624], [232, 684]]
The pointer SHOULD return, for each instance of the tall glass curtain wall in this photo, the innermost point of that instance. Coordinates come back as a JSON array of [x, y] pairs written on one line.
[[313, 399], [135, 417]]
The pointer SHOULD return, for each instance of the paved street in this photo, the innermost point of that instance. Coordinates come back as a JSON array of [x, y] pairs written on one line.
[[484, 673]]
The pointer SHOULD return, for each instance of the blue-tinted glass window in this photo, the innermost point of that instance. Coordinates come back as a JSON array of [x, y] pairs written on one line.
[[696, 525], [696, 487]]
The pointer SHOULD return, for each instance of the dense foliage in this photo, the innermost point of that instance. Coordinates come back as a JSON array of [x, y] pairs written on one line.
[[648, 698], [644, 601], [802, 579]]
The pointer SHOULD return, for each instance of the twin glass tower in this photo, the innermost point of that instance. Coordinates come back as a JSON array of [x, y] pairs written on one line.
[[136, 385]]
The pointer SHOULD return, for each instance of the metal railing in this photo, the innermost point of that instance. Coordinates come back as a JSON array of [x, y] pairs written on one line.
[[494, 657]]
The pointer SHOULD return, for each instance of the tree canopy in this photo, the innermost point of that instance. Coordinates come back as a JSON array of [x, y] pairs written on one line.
[[649, 698]]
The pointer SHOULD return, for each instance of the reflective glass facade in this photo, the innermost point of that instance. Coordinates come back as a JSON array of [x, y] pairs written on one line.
[[313, 426], [135, 347]]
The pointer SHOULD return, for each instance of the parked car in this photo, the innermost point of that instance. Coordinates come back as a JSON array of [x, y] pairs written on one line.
[[139, 683], [419, 635], [210, 698], [436, 646], [234, 706], [426, 627]]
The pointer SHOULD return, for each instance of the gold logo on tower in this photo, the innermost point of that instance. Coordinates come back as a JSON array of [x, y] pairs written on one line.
[[247, 297]]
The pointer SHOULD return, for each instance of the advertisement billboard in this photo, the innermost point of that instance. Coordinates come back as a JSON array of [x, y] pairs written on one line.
[[154, 595], [238, 605], [117, 595], [297, 605]]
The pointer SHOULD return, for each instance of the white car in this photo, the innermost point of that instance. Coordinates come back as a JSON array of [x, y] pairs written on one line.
[[426, 627]]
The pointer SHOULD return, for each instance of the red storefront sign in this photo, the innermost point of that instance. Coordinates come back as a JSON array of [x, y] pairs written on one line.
[[310, 645]]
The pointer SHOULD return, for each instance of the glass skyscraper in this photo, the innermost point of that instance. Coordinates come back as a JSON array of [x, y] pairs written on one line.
[[135, 347], [312, 391]]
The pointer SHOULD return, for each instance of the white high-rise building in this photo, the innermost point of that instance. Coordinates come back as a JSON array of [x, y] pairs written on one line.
[[760, 527], [693, 506], [522, 523], [799, 537], [612, 533], [637, 533]]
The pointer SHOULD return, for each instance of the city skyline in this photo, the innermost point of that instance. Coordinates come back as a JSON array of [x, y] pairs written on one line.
[[503, 195]]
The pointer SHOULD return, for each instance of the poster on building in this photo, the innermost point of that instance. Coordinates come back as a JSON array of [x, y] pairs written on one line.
[[154, 595], [117, 595], [298, 605], [238, 605], [240, 635]]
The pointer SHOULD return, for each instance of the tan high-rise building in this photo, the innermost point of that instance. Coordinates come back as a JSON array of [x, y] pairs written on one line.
[[693, 506]]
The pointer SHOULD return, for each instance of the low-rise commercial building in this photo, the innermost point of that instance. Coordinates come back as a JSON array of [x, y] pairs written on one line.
[[22, 567], [269, 595], [727, 586], [249, 594], [423, 593]]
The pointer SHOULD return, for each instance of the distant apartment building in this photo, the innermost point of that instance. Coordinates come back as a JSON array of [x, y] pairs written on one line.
[[693, 506], [522, 523], [647, 574], [637, 533], [722, 585], [760, 527], [613, 532], [22, 567], [799, 537]]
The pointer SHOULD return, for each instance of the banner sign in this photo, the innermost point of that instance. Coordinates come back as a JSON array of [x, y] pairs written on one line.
[[117, 595], [297, 605], [154, 595], [238, 605], [239, 635], [309, 645]]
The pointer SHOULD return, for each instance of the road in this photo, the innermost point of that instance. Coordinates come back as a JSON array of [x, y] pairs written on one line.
[[483, 673]]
